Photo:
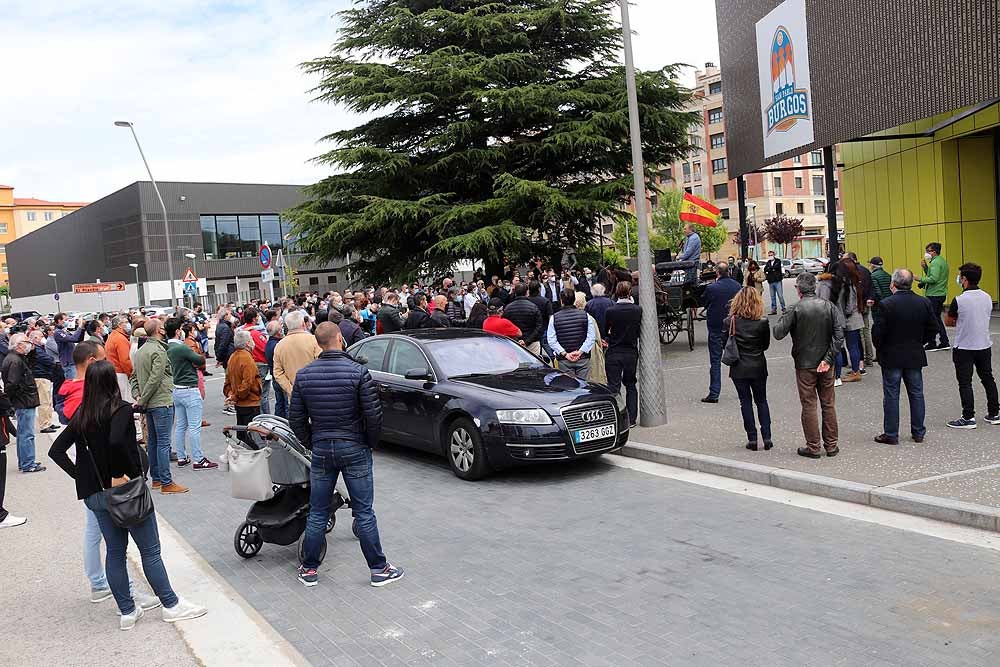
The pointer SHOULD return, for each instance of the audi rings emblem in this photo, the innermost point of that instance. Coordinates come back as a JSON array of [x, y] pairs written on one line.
[[592, 416]]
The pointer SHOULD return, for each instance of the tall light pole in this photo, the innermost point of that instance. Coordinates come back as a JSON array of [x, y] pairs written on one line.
[[138, 285], [166, 223], [652, 396], [55, 283]]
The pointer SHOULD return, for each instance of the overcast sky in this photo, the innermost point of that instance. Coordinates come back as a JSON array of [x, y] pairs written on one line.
[[212, 86]]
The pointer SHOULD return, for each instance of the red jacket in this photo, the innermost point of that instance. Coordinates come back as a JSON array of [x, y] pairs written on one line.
[[498, 325], [259, 343]]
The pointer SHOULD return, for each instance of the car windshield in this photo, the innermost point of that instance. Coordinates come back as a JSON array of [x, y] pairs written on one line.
[[458, 357]]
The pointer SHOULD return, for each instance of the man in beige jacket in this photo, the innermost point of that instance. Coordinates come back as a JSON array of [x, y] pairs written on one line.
[[295, 351]]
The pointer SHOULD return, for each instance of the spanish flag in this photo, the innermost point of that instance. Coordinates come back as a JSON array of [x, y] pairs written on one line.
[[699, 211]]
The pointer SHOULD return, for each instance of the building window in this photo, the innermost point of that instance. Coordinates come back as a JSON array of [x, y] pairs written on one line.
[[819, 187], [231, 288], [3, 227], [696, 140], [208, 238], [721, 191], [254, 286], [798, 182], [30, 215], [228, 235], [686, 168], [800, 208], [718, 140], [211, 288], [698, 191], [331, 280], [819, 207], [715, 116], [816, 157], [715, 88], [249, 235], [314, 281], [797, 159], [777, 185], [667, 174], [3, 248], [719, 165], [48, 216], [696, 170], [779, 208], [608, 229], [724, 213], [270, 232], [3, 267]]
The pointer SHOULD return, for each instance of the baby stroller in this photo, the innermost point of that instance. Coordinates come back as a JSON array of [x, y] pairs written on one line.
[[282, 519]]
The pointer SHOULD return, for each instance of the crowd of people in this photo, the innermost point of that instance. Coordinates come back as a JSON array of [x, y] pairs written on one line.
[[847, 319]]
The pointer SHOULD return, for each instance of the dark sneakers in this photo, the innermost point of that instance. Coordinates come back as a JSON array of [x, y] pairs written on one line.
[[205, 464], [183, 462], [993, 419], [37, 467], [710, 399], [963, 423], [308, 577], [808, 453], [390, 574], [886, 440]]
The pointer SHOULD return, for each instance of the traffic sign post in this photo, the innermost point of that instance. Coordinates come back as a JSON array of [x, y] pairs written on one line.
[[190, 285], [267, 273]]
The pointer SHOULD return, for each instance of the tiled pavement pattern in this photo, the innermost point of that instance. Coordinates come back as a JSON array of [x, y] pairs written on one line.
[[598, 565]]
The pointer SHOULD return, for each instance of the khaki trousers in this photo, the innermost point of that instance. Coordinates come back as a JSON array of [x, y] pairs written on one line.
[[818, 388], [45, 411]]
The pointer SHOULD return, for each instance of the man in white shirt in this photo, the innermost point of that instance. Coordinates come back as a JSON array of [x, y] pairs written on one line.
[[970, 314]]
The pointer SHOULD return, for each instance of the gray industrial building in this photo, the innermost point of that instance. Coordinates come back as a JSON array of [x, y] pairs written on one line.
[[222, 224]]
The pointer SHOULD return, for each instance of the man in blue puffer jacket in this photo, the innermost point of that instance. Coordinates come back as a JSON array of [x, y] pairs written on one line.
[[335, 411]]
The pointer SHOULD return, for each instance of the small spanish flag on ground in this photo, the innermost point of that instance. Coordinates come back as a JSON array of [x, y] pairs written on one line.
[[699, 211]]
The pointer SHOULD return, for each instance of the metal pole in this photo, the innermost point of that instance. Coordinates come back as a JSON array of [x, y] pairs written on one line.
[[138, 286], [741, 189], [166, 224], [55, 283], [652, 396], [829, 167], [628, 236]]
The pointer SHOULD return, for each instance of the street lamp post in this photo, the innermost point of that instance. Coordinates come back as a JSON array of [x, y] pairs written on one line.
[[652, 394], [166, 223], [55, 283], [138, 285]]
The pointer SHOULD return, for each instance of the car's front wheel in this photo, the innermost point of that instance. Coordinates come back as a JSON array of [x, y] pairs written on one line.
[[464, 448]]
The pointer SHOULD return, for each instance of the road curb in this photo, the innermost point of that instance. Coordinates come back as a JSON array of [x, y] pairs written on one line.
[[896, 500]]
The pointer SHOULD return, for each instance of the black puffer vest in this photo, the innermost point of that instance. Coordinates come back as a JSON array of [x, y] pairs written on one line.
[[571, 328]]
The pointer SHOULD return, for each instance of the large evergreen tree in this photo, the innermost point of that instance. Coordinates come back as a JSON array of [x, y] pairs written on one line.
[[500, 129]]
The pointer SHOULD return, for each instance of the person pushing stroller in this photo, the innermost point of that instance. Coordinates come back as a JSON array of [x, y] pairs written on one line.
[[335, 411]]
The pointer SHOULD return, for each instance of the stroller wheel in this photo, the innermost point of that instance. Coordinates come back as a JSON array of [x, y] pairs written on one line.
[[247, 540], [302, 549], [331, 522]]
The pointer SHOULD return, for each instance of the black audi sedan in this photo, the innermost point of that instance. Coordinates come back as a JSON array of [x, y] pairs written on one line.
[[485, 402]]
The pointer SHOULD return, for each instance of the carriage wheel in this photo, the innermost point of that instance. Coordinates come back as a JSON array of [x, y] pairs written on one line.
[[247, 540], [690, 329], [331, 522], [669, 328]]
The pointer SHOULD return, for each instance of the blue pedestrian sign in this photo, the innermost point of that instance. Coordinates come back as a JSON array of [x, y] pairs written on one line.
[[265, 257], [191, 288], [56, 296]]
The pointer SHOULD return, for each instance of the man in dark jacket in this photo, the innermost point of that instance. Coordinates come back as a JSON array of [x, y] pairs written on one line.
[[716, 301], [48, 378], [455, 308], [419, 318], [906, 325], [224, 346], [389, 318], [774, 274], [598, 306], [526, 316], [350, 330], [336, 412], [19, 385], [817, 329], [621, 332], [66, 341], [439, 315]]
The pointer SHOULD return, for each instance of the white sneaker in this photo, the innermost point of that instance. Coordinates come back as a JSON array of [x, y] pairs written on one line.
[[145, 600], [99, 594], [838, 382], [183, 611], [128, 621], [12, 521]]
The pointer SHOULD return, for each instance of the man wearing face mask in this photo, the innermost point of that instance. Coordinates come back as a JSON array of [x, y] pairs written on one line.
[[19, 385], [935, 285], [774, 275], [118, 348], [66, 341]]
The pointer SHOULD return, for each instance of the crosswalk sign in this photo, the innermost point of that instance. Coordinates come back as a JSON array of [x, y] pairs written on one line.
[[189, 276]]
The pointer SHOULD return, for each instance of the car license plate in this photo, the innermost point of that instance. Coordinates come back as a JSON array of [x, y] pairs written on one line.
[[599, 433]]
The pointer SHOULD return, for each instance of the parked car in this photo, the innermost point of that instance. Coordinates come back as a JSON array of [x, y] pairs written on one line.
[[158, 311], [21, 315], [786, 268], [485, 402]]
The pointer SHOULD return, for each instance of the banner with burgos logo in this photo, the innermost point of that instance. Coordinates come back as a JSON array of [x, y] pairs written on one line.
[[783, 66]]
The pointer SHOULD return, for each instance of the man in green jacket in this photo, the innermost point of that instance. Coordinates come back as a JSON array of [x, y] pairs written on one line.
[[185, 364], [935, 286], [152, 386]]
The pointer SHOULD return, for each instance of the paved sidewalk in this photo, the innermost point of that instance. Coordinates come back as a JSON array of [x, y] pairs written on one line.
[[954, 464], [48, 618]]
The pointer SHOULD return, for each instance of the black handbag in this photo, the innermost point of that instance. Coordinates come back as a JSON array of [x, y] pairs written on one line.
[[129, 504], [731, 352]]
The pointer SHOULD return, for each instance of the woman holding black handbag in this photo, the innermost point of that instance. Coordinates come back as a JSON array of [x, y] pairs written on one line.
[[110, 479], [748, 371]]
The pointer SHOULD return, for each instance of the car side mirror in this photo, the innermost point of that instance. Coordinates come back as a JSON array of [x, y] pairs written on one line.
[[418, 374]]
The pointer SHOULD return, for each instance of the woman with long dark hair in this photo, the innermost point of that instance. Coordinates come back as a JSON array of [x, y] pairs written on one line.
[[853, 306], [754, 277], [103, 430], [477, 316]]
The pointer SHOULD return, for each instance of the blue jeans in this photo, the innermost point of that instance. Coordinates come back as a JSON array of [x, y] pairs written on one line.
[[92, 563], [777, 291], [854, 351], [25, 437], [754, 391], [147, 537], [188, 409], [158, 424], [265, 389], [914, 381], [715, 359], [329, 459], [280, 401]]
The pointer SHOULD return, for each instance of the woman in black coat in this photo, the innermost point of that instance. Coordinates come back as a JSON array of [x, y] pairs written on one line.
[[749, 374]]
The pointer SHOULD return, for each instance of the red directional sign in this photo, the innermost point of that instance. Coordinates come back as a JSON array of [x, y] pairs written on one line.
[[94, 288]]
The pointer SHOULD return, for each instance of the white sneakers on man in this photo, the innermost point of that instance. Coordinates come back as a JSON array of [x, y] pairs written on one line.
[[12, 521], [128, 621], [183, 611]]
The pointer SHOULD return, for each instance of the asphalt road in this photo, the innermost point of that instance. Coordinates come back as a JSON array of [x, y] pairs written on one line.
[[596, 564]]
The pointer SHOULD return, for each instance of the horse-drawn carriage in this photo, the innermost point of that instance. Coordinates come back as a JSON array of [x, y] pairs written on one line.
[[679, 289]]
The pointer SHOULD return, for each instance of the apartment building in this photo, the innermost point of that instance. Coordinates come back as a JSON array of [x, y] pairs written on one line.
[[21, 216], [799, 192]]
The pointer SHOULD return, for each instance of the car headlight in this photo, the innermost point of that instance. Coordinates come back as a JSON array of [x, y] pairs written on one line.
[[529, 417]]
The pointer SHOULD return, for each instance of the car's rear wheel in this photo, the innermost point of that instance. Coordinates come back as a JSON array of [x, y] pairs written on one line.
[[464, 448]]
